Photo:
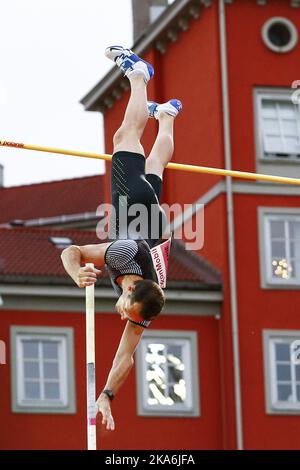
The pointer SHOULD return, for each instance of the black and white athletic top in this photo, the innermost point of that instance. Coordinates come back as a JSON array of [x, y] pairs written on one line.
[[129, 257]]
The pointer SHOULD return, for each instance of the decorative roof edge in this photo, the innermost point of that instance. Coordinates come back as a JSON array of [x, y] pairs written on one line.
[[165, 30]]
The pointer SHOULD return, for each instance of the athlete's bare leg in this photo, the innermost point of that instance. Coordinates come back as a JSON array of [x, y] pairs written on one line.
[[127, 138], [163, 148]]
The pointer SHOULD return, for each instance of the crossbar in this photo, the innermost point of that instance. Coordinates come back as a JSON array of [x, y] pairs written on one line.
[[170, 166]]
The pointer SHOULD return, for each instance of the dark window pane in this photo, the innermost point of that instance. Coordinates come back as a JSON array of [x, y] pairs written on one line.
[[175, 350], [268, 108], [294, 268], [297, 372], [278, 250], [283, 372], [175, 363], [298, 392], [50, 349], [32, 390], [51, 391], [295, 230], [176, 394], [284, 392], [31, 370], [282, 352], [295, 249], [277, 229], [175, 374], [279, 34], [31, 349], [51, 370]]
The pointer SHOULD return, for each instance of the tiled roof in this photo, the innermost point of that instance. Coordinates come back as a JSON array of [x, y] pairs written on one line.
[[29, 254], [56, 198]]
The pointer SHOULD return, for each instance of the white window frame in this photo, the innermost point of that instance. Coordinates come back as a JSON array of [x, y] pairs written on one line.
[[265, 215], [64, 336], [284, 95], [192, 406], [273, 406], [62, 364], [290, 26]]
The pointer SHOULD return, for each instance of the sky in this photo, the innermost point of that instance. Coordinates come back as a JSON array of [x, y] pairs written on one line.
[[52, 54]]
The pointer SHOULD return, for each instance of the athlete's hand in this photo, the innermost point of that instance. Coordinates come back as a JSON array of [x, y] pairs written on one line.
[[103, 406], [87, 276]]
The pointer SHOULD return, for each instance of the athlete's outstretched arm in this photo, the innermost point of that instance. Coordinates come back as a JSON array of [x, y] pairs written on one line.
[[74, 257], [122, 364]]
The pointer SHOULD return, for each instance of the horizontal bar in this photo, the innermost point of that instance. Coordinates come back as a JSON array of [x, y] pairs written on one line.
[[170, 166]]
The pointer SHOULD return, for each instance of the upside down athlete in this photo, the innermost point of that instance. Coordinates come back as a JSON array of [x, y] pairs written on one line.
[[134, 180]]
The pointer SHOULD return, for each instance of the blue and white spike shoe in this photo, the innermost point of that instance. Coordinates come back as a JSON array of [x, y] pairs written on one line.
[[171, 107], [129, 63]]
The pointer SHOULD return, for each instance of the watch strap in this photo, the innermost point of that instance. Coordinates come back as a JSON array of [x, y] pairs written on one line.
[[108, 393]]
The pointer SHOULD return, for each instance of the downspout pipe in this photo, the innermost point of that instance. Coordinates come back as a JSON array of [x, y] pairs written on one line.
[[230, 227]]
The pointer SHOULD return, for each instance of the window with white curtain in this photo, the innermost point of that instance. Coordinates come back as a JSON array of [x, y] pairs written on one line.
[[43, 370], [167, 373], [283, 243], [278, 126], [282, 372], [280, 246]]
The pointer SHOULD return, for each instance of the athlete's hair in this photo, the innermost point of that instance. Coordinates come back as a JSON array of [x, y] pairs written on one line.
[[151, 297]]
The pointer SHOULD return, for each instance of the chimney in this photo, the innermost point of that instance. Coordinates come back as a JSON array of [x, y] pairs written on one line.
[[1, 176], [144, 13]]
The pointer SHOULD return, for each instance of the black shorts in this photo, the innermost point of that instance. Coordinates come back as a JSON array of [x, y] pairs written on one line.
[[129, 186]]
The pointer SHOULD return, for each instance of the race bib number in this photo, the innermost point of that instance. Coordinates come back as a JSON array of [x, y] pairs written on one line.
[[160, 258]]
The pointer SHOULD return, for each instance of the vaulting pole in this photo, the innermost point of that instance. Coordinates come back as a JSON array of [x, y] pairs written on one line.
[[171, 166], [90, 365]]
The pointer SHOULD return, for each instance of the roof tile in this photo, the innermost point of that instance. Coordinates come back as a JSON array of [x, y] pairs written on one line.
[[30, 252], [55, 198]]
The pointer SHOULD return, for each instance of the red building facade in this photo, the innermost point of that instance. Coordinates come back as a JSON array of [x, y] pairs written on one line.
[[232, 311]]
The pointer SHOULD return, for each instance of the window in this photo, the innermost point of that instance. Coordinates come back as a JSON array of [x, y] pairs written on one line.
[[157, 7], [156, 11], [280, 246], [279, 34], [282, 372], [43, 369], [167, 372], [278, 127]]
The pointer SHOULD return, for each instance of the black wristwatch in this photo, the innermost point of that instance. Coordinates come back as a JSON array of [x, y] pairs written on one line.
[[108, 393]]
